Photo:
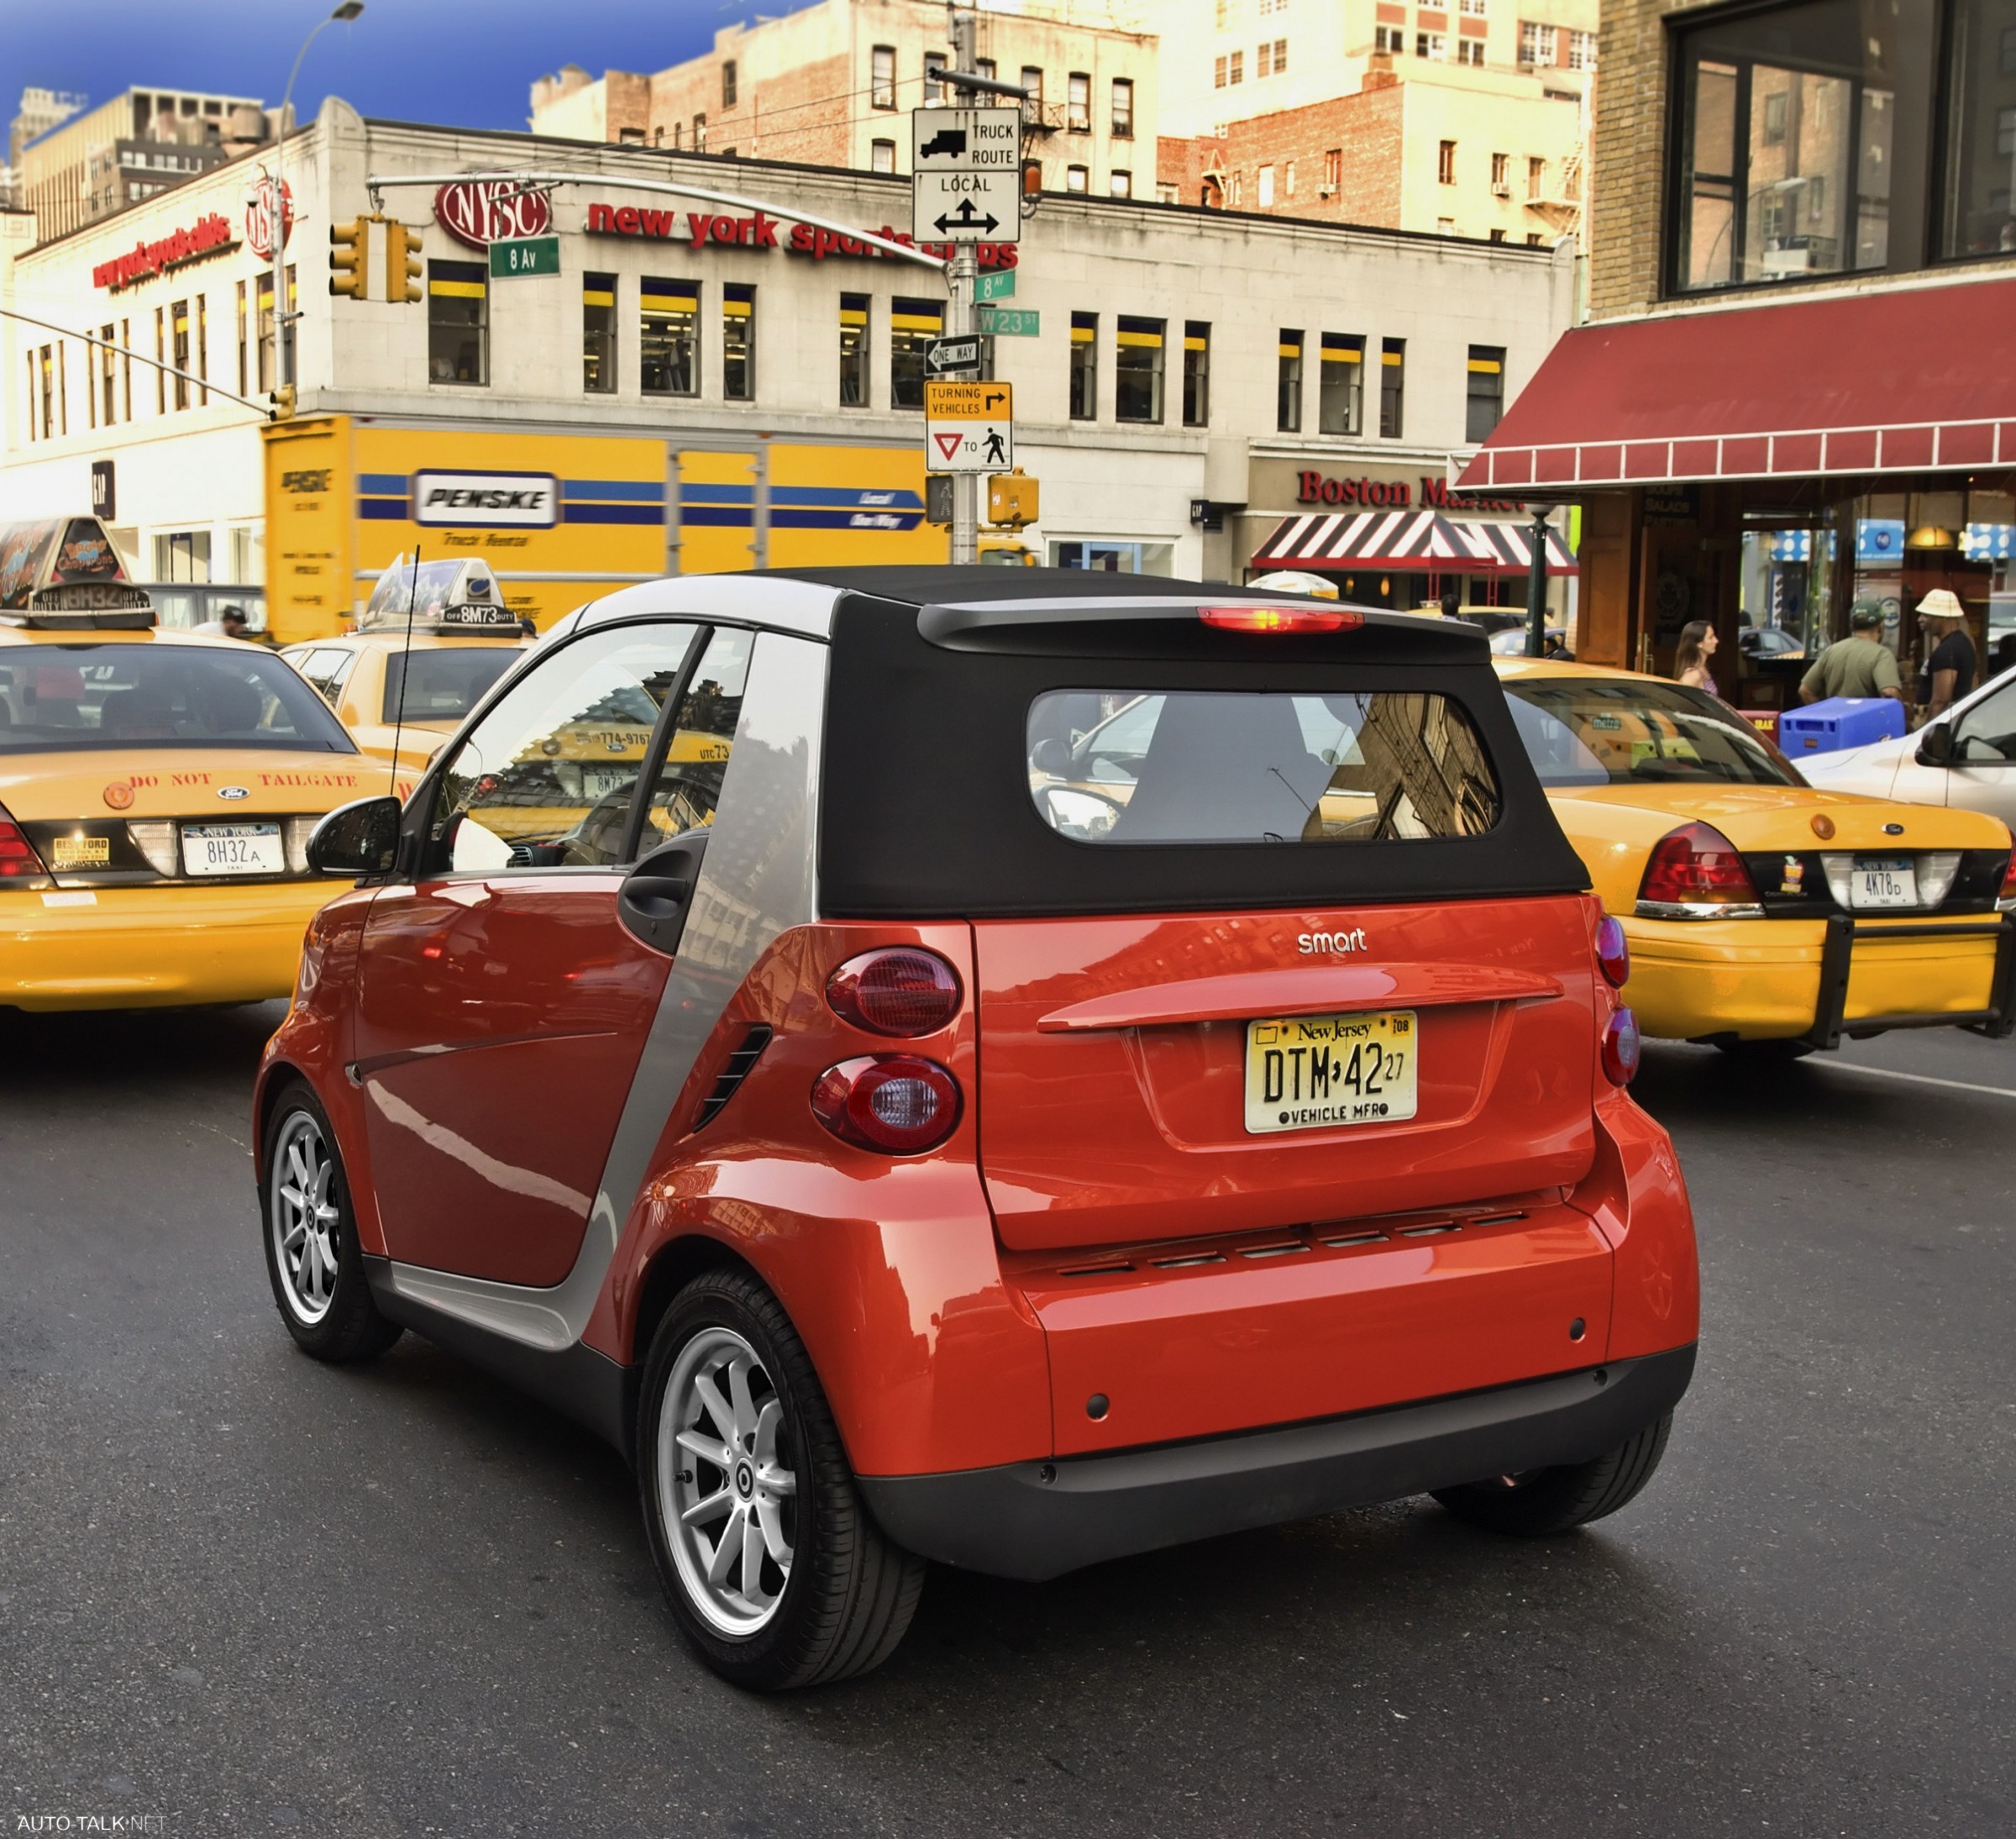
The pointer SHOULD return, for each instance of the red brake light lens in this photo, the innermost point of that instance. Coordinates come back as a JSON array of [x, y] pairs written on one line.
[[1282, 619], [1621, 1045], [1696, 865], [18, 861], [894, 1102], [899, 989], [2007, 897], [1612, 951]]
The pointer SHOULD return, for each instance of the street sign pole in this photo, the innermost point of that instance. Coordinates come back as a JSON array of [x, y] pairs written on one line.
[[965, 486]]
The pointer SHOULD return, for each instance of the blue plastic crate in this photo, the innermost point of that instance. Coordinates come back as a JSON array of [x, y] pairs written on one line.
[[1839, 721]]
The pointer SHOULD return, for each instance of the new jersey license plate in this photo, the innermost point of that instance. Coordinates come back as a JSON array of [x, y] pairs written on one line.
[[233, 848], [1312, 1072], [1881, 881]]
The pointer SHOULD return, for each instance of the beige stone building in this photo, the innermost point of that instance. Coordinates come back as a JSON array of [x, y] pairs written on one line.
[[833, 85]]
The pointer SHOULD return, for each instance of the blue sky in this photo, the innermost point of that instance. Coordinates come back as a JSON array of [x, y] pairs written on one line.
[[465, 63]]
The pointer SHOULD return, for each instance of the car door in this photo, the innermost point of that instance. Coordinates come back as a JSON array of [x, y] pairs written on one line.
[[1981, 774], [503, 1005]]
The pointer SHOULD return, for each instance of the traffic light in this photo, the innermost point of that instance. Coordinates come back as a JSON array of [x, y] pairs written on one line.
[[1012, 499], [401, 263], [282, 400], [350, 259]]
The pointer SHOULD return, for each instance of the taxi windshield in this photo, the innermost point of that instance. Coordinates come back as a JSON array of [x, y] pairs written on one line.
[[1630, 731], [71, 697], [443, 686]]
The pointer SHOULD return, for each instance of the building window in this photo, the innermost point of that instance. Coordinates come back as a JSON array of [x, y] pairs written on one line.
[[1431, 45], [935, 66], [1535, 43], [178, 352], [108, 371], [699, 134], [1340, 385], [1288, 393], [1123, 108], [1495, 236], [1333, 169], [202, 348], [882, 76], [1445, 226], [598, 333], [1501, 172], [1217, 73], [913, 325], [1032, 102], [882, 155], [1265, 190], [853, 350], [1121, 183], [1137, 369], [1470, 51], [1980, 187], [738, 341], [1581, 51], [983, 66], [457, 322], [668, 353], [1288, 179], [728, 82], [1393, 383], [244, 342], [1078, 103], [1196, 373], [1085, 366], [1445, 162], [160, 358], [1078, 178], [1487, 392], [1390, 38], [1475, 9], [1536, 180], [126, 368], [1532, 239], [1271, 60]]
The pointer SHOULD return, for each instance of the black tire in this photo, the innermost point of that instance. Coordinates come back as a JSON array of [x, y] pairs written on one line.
[[1770, 1052], [1547, 1501], [849, 1593], [334, 1321]]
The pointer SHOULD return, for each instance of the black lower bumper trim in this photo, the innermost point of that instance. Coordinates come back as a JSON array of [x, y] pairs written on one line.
[[1038, 1520]]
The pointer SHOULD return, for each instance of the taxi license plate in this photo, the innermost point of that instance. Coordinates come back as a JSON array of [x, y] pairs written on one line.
[[1316, 1072], [1881, 881], [233, 848], [601, 785]]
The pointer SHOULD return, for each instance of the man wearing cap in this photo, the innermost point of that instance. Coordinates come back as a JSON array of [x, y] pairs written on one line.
[[1856, 665], [1948, 672]]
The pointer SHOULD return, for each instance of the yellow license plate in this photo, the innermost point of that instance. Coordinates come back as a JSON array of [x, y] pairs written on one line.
[[1310, 1072]]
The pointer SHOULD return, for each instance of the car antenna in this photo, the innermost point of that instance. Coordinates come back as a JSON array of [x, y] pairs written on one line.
[[412, 599]]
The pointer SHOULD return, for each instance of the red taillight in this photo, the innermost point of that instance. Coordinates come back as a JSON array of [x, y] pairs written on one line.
[[18, 858], [1620, 1047], [2008, 898], [1282, 619], [899, 990], [895, 1102], [1612, 951], [1696, 866]]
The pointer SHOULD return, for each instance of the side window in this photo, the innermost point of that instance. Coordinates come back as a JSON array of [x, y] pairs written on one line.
[[545, 780], [320, 667], [1986, 735], [687, 786]]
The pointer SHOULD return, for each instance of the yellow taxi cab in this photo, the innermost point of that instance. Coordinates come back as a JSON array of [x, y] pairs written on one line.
[[431, 640], [157, 789], [1765, 916]]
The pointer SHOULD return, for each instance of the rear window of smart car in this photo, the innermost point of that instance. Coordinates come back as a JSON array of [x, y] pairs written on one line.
[[56, 697], [1622, 731], [443, 686], [1114, 766]]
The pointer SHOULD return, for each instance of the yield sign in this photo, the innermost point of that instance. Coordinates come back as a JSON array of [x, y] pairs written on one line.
[[969, 427], [947, 443]]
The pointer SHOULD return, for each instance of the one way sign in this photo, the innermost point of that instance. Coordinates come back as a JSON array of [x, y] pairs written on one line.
[[966, 207], [969, 427]]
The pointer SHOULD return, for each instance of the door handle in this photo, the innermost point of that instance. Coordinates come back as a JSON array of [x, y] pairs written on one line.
[[653, 901], [658, 894]]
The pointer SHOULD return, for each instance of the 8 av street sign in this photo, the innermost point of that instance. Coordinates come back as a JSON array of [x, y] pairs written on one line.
[[960, 353], [969, 427]]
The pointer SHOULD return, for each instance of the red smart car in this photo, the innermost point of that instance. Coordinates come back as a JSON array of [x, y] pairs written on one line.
[[1015, 1071]]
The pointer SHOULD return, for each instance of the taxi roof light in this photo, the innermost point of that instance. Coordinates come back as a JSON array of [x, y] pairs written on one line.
[[1281, 619]]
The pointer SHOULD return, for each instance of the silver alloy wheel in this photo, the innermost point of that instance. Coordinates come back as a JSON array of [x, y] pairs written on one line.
[[728, 1503], [302, 1218]]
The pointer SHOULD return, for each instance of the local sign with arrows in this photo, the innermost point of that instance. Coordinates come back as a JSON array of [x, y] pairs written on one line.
[[966, 167], [969, 427]]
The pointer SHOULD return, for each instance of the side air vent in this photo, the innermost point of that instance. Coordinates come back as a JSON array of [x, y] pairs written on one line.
[[733, 1072]]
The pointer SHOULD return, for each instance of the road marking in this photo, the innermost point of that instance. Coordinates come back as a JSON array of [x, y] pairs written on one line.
[[1916, 1078]]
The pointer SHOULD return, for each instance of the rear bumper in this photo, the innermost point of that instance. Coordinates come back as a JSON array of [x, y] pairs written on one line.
[[1036, 1519]]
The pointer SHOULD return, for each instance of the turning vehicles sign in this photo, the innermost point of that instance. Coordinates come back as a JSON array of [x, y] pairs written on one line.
[[969, 427], [966, 167]]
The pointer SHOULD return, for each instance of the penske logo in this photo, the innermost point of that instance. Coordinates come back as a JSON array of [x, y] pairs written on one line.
[[1312, 944], [516, 501]]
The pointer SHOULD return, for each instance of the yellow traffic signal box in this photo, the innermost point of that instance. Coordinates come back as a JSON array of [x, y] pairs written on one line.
[[401, 264], [1012, 499], [350, 259]]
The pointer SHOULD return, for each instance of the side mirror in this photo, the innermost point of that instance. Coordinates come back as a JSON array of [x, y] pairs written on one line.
[[1052, 758], [1935, 745], [359, 839]]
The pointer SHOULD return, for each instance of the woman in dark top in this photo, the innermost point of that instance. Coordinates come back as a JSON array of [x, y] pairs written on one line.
[[1948, 672]]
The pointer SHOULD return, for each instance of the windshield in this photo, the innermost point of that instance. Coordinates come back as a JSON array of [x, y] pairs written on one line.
[[1630, 731], [96, 695], [1118, 767], [443, 686]]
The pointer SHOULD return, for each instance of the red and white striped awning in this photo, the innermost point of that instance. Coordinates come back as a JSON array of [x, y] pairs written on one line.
[[1405, 539]]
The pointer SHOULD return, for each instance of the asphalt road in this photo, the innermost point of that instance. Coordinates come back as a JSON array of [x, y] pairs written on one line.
[[250, 1595]]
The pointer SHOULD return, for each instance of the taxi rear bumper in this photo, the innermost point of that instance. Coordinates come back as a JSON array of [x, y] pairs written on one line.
[[1817, 980], [154, 948]]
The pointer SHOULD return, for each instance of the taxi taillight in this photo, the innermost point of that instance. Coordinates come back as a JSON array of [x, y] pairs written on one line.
[[18, 861], [2006, 899]]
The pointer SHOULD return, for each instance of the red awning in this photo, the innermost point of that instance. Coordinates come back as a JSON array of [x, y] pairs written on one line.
[[1405, 539], [1909, 379]]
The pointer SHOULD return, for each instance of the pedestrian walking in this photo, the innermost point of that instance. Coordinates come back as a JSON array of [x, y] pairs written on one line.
[[230, 624], [1948, 672], [1697, 644], [1858, 666]]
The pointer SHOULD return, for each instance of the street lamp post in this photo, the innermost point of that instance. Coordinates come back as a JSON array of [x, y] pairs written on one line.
[[1536, 583], [284, 320]]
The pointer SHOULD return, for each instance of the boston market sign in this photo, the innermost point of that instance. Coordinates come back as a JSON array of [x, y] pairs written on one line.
[[481, 211]]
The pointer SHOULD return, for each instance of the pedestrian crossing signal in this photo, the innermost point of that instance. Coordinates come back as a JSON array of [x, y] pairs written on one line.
[[1012, 499]]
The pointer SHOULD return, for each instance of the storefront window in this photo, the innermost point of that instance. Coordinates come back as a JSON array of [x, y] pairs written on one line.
[[598, 333], [1196, 373], [1115, 556], [1785, 593], [1393, 387], [1137, 370], [668, 348], [853, 350], [913, 325], [1085, 366], [457, 322], [1981, 130], [1341, 386], [1486, 395], [738, 341], [1287, 381]]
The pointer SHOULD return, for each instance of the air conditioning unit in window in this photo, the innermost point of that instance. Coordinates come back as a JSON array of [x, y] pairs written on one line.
[[1327, 191], [1501, 188]]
